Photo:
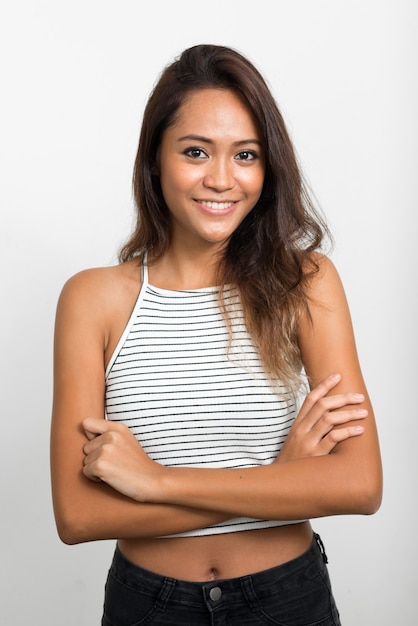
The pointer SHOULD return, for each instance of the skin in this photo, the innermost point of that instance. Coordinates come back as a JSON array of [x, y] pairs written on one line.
[[105, 486]]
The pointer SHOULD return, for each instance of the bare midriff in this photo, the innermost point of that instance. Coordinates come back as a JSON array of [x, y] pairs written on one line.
[[215, 557]]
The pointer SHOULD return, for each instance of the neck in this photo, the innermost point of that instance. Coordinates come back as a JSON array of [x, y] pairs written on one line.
[[185, 269]]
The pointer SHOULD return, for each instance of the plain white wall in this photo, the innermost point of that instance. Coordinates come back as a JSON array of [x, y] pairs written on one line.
[[74, 80]]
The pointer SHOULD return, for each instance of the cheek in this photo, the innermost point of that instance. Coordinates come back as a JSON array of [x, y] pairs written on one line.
[[253, 180], [257, 186], [178, 180]]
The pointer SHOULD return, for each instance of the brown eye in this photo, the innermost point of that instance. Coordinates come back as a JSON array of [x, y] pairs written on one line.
[[195, 153], [246, 155]]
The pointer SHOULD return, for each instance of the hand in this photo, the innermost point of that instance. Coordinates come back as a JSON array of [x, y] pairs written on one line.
[[314, 431], [114, 456]]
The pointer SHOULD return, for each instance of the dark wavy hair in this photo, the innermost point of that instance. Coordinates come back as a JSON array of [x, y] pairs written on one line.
[[269, 257]]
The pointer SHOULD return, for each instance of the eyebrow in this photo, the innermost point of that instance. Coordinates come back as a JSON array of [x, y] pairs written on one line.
[[200, 138]]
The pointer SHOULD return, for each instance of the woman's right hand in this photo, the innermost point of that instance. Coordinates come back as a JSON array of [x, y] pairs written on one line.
[[322, 422]]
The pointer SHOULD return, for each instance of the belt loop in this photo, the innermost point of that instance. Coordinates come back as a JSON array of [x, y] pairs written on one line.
[[321, 547], [165, 593]]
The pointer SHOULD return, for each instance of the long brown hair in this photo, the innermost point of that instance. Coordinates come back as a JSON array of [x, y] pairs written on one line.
[[269, 256]]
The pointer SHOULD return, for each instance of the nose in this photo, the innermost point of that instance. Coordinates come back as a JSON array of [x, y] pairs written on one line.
[[219, 175]]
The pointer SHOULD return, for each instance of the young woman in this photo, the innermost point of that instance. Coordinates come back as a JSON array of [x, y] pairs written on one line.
[[195, 347]]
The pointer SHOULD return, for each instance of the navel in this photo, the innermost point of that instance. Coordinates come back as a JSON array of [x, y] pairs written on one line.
[[213, 574]]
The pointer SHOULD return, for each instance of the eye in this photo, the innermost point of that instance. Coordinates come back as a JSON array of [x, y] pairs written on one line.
[[246, 155], [195, 153]]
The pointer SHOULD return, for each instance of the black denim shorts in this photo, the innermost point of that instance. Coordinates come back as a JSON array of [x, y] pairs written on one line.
[[297, 593]]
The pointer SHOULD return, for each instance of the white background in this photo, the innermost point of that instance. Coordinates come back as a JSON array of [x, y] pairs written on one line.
[[74, 79]]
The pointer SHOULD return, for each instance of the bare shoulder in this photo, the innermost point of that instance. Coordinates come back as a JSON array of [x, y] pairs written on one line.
[[101, 279], [99, 288], [325, 280], [97, 302]]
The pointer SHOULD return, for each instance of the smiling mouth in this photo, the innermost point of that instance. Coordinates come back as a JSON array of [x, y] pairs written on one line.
[[219, 206]]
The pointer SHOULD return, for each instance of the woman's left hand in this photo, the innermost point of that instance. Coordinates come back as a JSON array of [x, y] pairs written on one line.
[[323, 421], [114, 456]]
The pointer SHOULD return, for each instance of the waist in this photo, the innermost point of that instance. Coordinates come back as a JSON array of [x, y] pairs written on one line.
[[223, 556], [140, 578]]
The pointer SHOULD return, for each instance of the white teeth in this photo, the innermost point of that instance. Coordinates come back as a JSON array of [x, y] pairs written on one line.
[[217, 205]]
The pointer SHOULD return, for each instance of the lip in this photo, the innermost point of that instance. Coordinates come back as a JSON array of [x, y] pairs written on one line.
[[215, 207]]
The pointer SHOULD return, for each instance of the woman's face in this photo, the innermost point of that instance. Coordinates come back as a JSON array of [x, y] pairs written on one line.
[[211, 167]]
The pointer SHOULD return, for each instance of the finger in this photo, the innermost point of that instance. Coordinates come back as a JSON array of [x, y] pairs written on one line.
[[324, 387], [94, 426], [332, 403], [88, 471], [318, 392], [94, 460], [336, 436], [330, 419], [109, 436], [92, 445]]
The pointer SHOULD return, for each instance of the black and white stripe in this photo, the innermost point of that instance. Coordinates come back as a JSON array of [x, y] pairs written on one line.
[[190, 396]]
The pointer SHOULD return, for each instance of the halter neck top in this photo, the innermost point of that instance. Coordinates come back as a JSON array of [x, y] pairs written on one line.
[[193, 394]]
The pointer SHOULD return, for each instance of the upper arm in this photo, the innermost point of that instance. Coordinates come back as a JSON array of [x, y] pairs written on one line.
[[327, 346], [326, 337], [78, 385]]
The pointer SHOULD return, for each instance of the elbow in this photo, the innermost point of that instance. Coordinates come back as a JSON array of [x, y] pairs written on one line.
[[68, 535], [357, 492], [372, 501], [369, 497], [369, 505], [374, 490], [360, 487], [71, 528]]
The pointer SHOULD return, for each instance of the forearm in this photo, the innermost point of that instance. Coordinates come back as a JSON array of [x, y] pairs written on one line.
[[346, 481], [306, 488], [96, 511]]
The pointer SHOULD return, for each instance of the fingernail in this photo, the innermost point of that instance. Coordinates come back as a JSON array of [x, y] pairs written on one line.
[[359, 396], [335, 377], [362, 412]]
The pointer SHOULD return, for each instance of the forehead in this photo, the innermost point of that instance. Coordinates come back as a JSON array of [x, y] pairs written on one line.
[[216, 111]]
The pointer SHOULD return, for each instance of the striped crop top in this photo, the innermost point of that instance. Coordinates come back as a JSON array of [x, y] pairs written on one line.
[[190, 395]]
